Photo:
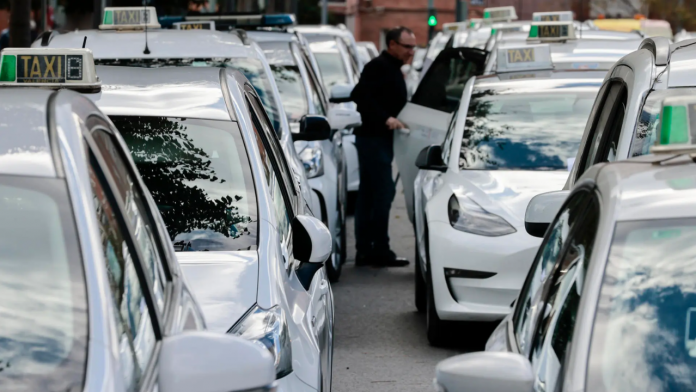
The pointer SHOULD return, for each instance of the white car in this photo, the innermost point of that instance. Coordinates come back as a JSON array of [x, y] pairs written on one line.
[[130, 45], [609, 303], [513, 136], [302, 93], [93, 296]]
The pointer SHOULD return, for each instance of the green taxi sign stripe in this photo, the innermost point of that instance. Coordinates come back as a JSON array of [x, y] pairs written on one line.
[[675, 127], [108, 17], [8, 68], [487, 15], [533, 31]]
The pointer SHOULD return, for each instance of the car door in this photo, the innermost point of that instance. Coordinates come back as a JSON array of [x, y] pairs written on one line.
[[560, 302], [428, 114], [318, 304]]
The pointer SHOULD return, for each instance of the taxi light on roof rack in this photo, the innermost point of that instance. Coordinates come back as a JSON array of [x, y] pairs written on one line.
[[48, 67], [551, 31], [202, 25], [524, 58], [248, 20], [677, 131], [560, 16], [129, 18], [494, 14]]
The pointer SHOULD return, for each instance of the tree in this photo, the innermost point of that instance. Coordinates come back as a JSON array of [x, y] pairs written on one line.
[[679, 13], [20, 29]]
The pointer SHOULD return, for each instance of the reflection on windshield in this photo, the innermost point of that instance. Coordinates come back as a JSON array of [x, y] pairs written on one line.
[[645, 332], [198, 173], [43, 312], [332, 69], [292, 91], [525, 130]]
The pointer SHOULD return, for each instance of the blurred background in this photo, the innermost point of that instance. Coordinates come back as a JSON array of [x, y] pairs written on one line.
[[367, 19]]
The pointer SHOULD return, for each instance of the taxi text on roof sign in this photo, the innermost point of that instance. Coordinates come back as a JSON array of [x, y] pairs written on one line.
[[551, 31], [499, 13], [561, 16], [677, 131], [129, 18], [524, 58], [207, 25], [48, 67]]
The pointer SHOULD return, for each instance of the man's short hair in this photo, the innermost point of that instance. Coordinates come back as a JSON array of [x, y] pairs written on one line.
[[395, 34]]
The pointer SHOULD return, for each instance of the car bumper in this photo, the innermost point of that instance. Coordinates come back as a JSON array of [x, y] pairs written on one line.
[[478, 299], [292, 383]]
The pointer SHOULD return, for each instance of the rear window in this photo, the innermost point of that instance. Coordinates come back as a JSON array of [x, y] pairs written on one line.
[[199, 175], [43, 312], [525, 127]]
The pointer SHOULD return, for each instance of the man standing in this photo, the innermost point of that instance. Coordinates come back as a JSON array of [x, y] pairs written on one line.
[[380, 95]]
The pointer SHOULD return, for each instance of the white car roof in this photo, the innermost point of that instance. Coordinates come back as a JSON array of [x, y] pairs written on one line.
[[112, 44], [681, 71], [271, 36], [189, 92]]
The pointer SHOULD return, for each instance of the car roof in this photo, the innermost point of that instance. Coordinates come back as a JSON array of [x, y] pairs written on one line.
[[24, 143], [320, 29], [182, 92], [638, 189], [113, 44], [681, 70], [271, 36], [537, 79]]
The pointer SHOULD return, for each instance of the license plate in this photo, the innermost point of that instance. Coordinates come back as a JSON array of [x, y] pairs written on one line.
[[520, 55], [48, 68], [553, 31]]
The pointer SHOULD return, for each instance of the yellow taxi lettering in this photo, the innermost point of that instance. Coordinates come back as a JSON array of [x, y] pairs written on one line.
[[550, 18], [35, 68], [49, 66], [26, 65], [528, 54]]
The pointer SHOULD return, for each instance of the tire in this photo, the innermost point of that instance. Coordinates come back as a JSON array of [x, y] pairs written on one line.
[[421, 290]]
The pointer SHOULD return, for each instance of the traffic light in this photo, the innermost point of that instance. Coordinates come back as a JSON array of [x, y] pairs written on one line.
[[432, 22]]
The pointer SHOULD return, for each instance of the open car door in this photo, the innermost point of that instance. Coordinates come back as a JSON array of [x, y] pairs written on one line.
[[428, 114]]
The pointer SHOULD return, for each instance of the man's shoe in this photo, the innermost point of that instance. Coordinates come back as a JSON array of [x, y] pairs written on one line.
[[389, 260], [362, 260]]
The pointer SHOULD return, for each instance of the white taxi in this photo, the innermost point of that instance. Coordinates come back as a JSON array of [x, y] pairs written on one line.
[[93, 296]]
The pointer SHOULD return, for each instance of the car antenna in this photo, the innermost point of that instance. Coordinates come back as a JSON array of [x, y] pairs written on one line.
[[147, 15], [84, 42]]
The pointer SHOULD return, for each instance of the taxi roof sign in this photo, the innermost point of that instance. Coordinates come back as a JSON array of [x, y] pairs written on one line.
[[524, 58], [551, 31], [559, 16], [494, 14], [48, 67], [677, 132], [202, 25], [129, 18]]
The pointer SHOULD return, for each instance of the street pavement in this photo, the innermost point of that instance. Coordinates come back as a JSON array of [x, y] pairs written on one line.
[[380, 342]]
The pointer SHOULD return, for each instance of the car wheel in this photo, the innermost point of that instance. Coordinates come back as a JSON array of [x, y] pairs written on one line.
[[420, 287]]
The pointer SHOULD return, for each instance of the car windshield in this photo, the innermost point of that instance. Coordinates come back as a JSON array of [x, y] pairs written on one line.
[[251, 68], [199, 175], [644, 335], [288, 78], [43, 313], [532, 125], [646, 128], [331, 66]]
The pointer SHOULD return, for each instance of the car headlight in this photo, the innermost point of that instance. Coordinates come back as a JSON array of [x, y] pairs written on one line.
[[313, 160], [465, 215], [270, 329]]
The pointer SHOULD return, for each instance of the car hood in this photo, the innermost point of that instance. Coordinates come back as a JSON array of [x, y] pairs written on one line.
[[507, 193], [224, 283]]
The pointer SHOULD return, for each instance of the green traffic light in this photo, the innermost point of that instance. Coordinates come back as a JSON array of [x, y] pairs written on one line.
[[432, 20]]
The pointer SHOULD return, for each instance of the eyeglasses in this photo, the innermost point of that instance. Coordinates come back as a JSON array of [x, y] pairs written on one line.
[[409, 47]]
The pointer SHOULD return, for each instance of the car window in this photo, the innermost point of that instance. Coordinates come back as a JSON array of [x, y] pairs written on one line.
[[442, 85], [315, 89], [649, 119], [43, 313], [449, 137], [286, 73], [200, 177], [555, 241], [136, 211], [134, 328], [331, 65], [560, 301], [644, 335], [610, 146], [525, 125]]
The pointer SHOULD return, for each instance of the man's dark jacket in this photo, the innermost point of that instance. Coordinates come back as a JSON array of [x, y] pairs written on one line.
[[380, 94]]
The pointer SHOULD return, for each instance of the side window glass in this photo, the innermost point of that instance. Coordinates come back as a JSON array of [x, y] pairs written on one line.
[[134, 326], [314, 90], [557, 322], [613, 130], [136, 213], [529, 299], [447, 144], [597, 132], [442, 85]]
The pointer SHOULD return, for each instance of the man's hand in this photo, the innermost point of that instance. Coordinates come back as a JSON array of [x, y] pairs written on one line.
[[393, 123]]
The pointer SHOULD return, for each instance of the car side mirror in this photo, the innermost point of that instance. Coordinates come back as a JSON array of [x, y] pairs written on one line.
[[340, 93], [205, 361], [541, 211], [485, 372], [313, 128], [312, 241], [343, 118], [430, 158]]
